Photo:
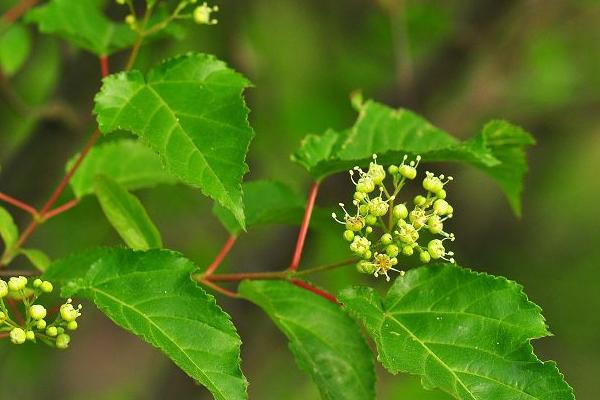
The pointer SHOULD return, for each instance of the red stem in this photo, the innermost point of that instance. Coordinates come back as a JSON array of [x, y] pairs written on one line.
[[4, 335], [104, 65], [18, 203], [219, 289], [315, 290], [219, 258], [61, 209], [310, 203], [17, 10]]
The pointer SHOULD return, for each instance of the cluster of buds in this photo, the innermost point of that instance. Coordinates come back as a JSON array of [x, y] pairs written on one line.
[[33, 324], [186, 9], [380, 231]]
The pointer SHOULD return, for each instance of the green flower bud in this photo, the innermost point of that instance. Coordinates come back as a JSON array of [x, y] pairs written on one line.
[[363, 209], [72, 325], [432, 183], [435, 225], [68, 312], [386, 239], [365, 184], [46, 287], [392, 250], [407, 250], [3, 289], [441, 194], [376, 172], [41, 324], [18, 336], [2, 317], [52, 331], [424, 257], [360, 196], [441, 207], [436, 249], [369, 229], [60, 330], [365, 267], [393, 169], [37, 312], [348, 235], [378, 207], [130, 20], [371, 219], [400, 211], [17, 283], [420, 200], [62, 341], [29, 335], [367, 255], [407, 171], [37, 283], [120, 2]]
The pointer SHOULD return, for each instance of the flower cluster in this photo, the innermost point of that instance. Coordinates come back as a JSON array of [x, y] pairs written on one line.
[[33, 325], [380, 231]]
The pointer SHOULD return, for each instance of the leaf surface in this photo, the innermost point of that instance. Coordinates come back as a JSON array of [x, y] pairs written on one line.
[[463, 332], [82, 23], [326, 343], [8, 230], [189, 110], [127, 215], [37, 258], [15, 45], [152, 295]]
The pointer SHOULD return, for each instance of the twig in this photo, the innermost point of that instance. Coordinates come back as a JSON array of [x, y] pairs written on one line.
[[219, 258], [17, 10], [61, 209], [219, 289], [18, 203], [15, 310], [19, 272], [312, 196], [104, 65], [315, 290]]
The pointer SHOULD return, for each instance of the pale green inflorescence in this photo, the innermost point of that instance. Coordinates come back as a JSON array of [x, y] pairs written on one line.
[[36, 327], [380, 231]]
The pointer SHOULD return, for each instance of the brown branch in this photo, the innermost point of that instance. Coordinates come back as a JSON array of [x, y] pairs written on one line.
[[310, 202], [19, 204], [18, 10], [219, 258]]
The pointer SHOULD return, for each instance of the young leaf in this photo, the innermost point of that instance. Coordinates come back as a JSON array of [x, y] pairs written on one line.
[[15, 44], [82, 23], [8, 230], [127, 215], [190, 111], [326, 343], [152, 295], [265, 202], [466, 333], [137, 167], [497, 150], [37, 258]]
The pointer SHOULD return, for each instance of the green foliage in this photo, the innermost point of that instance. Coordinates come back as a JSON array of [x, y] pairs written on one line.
[[15, 45], [8, 230], [190, 111], [37, 258], [137, 167], [83, 24], [326, 343], [466, 333], [152, 295], [498, 149], [127, 215], [265, 202]]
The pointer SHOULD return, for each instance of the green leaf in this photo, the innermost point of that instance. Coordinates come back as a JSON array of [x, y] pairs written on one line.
[[82, 23], [190, 111], [15, 45], [8, 230], [37, 258], [466, 333], [265, 202], [137, 167], [326, 343], [127, 215], [152, 295], [498, 149]]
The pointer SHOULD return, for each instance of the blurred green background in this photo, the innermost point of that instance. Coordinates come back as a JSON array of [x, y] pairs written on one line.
[[458, 63]]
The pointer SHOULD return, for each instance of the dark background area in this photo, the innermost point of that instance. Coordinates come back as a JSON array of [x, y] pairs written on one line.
[[459, 63]]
